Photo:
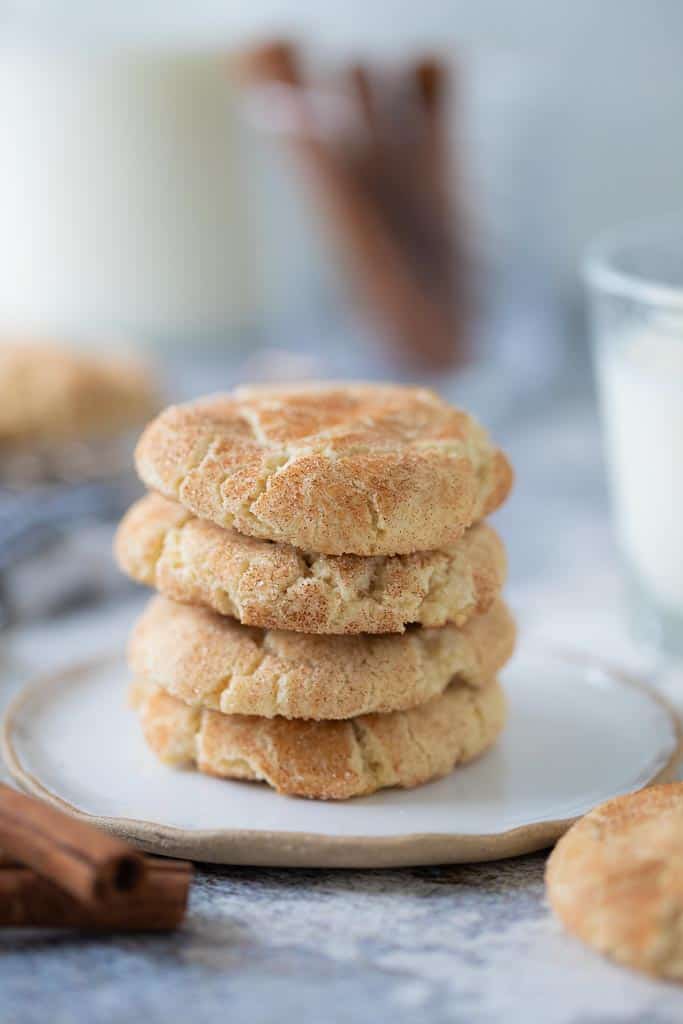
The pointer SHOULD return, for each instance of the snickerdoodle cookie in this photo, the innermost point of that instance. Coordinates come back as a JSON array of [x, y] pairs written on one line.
[[50, 393], [276, 586], [616, 879], [356, 469], [326, 760], [212, 661]]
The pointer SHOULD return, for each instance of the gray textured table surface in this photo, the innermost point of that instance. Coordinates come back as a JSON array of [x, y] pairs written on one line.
[[460, 944], [472, 944]]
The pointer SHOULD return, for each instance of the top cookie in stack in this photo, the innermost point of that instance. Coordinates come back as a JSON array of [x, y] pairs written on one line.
[[360, 470], [320, 510]]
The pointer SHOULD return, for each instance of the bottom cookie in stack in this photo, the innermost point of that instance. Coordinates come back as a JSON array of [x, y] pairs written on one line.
[[328, 717], [327, 760]]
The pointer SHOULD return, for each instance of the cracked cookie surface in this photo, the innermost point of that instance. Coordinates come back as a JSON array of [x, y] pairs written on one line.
[[276, 586], [326, 760], [356, 469], [212, 661]]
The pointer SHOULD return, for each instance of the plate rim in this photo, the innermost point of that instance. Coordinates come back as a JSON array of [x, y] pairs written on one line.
[[268, 848]]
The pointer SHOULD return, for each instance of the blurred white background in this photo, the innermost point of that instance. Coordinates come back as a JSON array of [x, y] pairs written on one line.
[[609, 72], [568, 121]]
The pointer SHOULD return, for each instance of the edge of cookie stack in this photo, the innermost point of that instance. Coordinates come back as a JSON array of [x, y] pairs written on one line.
[[329, 618]]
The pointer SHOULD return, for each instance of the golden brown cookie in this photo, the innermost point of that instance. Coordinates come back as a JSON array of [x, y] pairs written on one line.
[[210, 660], [616, 879], [326, 760], [357, 469], [276, 586], [50, 393]]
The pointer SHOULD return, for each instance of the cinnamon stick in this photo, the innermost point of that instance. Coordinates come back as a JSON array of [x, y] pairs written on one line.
[[159, 902], [377, 257], [361, 87], [276, 61], [431, 83], [94, 867], [440, 200]]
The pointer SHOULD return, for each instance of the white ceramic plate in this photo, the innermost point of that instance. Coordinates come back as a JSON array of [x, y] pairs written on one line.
[[578, 733]]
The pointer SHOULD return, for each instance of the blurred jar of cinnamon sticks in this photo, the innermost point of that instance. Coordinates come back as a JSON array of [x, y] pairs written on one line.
[[372, 151], [189, 194]]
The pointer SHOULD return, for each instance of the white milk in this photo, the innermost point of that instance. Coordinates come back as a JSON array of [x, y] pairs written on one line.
[[121, 193], [641, 376]]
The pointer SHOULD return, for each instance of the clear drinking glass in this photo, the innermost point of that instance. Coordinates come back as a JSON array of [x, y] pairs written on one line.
[[635, 282]]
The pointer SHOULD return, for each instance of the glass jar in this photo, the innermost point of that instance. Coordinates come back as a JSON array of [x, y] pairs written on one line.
[[635, 282]]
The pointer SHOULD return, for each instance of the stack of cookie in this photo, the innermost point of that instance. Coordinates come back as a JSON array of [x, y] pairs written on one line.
[[330, 620]]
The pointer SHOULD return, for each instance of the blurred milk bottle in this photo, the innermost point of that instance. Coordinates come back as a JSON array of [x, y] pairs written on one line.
[[122, 194]]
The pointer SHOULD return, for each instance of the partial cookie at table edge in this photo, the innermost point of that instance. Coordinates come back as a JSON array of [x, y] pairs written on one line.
[[615, 879]]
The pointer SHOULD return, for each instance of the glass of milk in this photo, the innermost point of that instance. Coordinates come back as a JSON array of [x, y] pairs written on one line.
[[123, 192], [635, 280]]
